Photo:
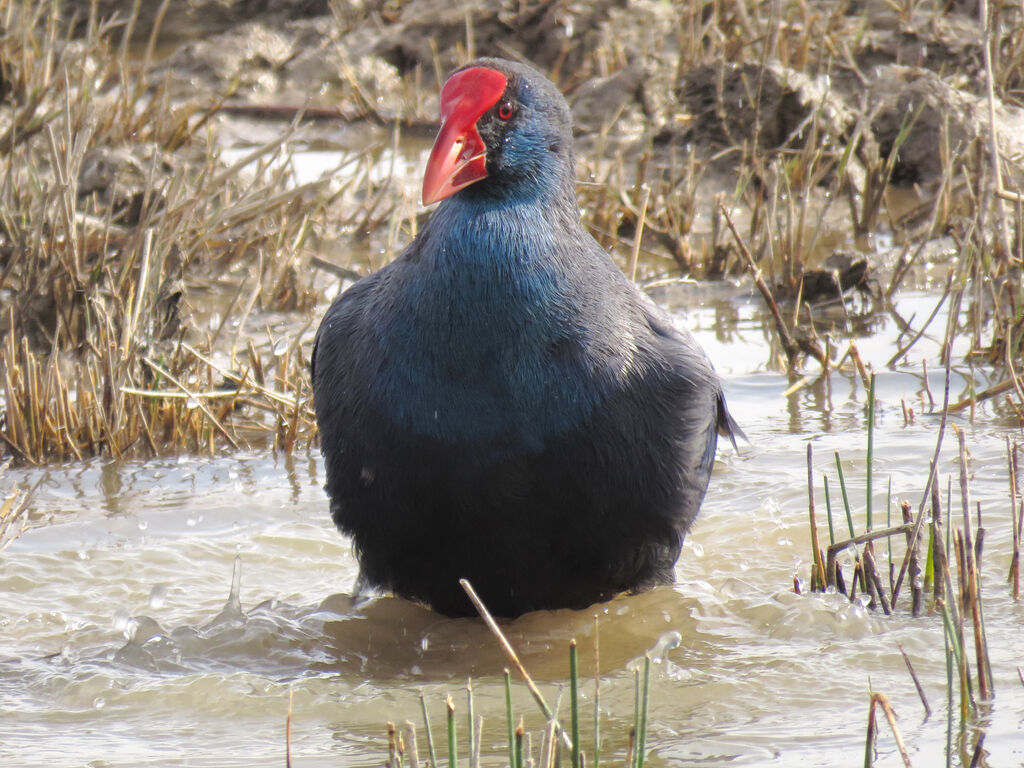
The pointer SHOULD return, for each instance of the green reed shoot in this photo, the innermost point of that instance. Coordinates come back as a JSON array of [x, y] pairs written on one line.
[[952, 636], [430, 736], [554, 741], [828, 511], [596, 759], [469, 719], [641, 739], [929, 563], [888, 517], [869, 741], [949, 699], [452, 740], [635, 734], [510, 718], [574, 703], [846, 498], [870, 451]]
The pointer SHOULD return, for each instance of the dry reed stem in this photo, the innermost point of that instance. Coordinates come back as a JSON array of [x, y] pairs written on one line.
[[192, 396], [969, 575], [14, 511], [881, 700], [818, 580], [939, 564], [411, 749], [549, 746], [925, 497], [935, 311], [874, 582], [288, 731], [868, 536], [917, 683], [393, 750], [513, 657], [976, 397], [109, 283], [638, 236], [631, 747], [790, 345], [916, 590], [990, 102], [1014, 571]]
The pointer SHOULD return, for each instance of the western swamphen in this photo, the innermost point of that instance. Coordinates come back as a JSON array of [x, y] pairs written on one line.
[[500, 403]]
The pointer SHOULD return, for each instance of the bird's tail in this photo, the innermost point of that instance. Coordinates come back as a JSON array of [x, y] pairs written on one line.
[[727, 426]]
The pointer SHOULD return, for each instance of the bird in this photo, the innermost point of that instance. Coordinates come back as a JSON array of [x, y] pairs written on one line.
[[500, 403]]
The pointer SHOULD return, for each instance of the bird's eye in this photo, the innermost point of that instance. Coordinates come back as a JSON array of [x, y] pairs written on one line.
[[506, 110]]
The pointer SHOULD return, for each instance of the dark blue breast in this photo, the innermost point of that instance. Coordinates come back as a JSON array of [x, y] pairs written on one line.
[[488, 338]]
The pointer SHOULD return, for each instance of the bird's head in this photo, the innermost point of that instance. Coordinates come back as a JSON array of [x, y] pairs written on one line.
[[505, 132]]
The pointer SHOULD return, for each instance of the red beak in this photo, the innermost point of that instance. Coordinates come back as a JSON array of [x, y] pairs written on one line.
[[459, 158]]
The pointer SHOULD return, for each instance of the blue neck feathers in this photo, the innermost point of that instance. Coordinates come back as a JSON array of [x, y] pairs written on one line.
[[488, 312]]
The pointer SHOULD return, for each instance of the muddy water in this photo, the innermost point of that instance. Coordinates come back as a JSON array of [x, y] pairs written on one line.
[[119, 645]]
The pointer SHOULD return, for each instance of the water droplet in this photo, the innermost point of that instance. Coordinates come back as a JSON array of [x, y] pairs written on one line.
[[131, 626], [192, 403], [425, 643], [215, 321], [668, 641], [120, 619], [281, 346], [157, 596], [99, 702], [143, 525]]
